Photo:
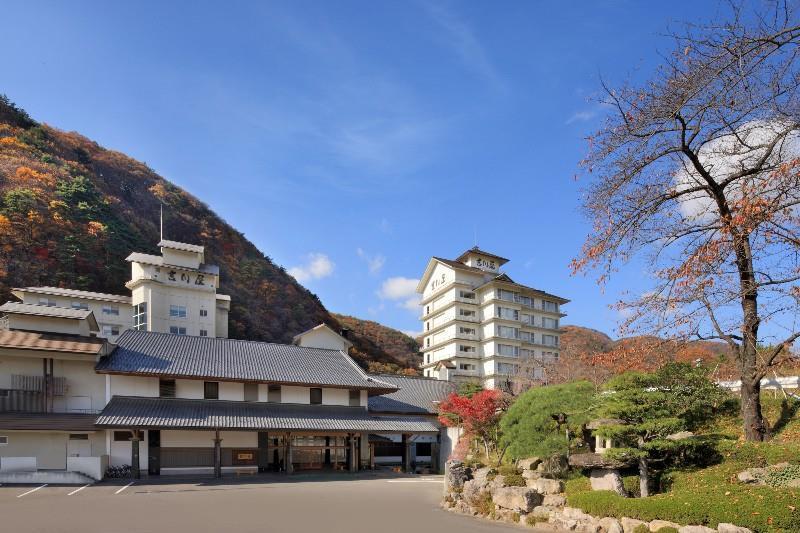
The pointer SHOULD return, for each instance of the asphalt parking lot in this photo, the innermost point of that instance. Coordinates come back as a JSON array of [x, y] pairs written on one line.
[[302, 504]]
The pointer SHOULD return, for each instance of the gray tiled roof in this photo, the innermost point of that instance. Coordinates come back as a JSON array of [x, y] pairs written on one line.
[[135, 412], [416, 395], [58, 291], [44, 310], [162, 354]]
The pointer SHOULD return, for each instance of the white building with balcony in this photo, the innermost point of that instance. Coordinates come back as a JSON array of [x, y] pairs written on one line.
[[480, 325]]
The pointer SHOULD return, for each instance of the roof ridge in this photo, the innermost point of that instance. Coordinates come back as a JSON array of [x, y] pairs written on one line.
[[210, 339]]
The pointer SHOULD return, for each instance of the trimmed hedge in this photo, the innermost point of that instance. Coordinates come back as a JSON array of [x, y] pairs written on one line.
[[708, 496]]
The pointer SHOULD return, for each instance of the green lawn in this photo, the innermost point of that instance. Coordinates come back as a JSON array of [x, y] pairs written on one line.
[[711, 495]]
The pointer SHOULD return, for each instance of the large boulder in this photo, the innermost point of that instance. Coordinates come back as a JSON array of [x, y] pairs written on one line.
[[630, 524], [481, 475], [696, 529], [546, 486], [611, 525], [554, 466], [531, 474], [657, 525], [607, 479], [529, 464], [730, 528], [520, 499], [456, 475]]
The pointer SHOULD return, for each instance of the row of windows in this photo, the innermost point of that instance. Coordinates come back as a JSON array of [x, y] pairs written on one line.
[[167, 389], [181, 330], [179, 311]]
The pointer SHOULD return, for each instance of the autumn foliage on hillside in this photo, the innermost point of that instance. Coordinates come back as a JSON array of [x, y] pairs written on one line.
[[72, 211], [402, 352]]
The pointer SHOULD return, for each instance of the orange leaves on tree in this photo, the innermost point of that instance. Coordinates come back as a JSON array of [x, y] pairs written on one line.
[[31, 176], [5, 225], [95, 228]]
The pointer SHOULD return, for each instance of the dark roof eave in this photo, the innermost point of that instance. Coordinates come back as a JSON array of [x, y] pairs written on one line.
[[373, 390]]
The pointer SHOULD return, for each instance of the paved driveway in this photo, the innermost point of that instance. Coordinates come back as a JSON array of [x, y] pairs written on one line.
[[303, 505]]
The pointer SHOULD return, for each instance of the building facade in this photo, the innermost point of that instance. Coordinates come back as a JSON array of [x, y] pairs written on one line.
[[480, 325], [169, 393]]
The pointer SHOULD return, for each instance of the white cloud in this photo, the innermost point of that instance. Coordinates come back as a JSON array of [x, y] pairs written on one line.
[[374, 262], [582, 116], [401, 290], [731, 153], [318, 266]]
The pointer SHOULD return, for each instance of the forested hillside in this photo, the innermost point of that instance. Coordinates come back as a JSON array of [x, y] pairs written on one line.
[[71, 212], [399, 346]]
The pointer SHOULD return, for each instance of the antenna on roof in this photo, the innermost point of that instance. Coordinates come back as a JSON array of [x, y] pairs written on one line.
[[161, 221], [475, 233]]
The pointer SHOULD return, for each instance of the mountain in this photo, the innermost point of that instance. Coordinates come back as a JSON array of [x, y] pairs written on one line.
[[396, 344], [71, 211]]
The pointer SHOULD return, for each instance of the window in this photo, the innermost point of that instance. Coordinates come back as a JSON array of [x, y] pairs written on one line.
[[355, 398], [507, 350], [204, 312], [111, 310], [110, 331], [466, 349], [466, 331], [274, 394], [550, 323], [549, 340], [3, 440], [80, 305], [428, 326], [466, 366], [140, 316], [166, 388], [466, 312], [505, 295], [467, 295], [203, 333], [177, 311], [3, 393], [78, 436], [508, 314], [507, 332], [211, 390], [251, 392], [175, 330], [428, 358], [507, 368], [48, 302], [427, 342], [427, 309], [125, 436], [550, 306], [315, 395]]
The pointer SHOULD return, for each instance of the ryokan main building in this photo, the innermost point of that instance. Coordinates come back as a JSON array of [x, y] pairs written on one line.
[[151, 381]]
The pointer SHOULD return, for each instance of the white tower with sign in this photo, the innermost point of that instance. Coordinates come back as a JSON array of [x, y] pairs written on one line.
[[176, 292], [480, 325]]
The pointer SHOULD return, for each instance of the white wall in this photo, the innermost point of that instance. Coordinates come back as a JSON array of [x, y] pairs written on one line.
[[135, 386], [323, 338]]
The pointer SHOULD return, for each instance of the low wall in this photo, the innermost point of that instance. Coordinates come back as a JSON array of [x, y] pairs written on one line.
[[18, 464], [94, 467]]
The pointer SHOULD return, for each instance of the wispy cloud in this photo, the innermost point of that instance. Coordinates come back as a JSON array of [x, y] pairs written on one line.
[[460, 37], [401, 290], [374, 262], [317, 266]]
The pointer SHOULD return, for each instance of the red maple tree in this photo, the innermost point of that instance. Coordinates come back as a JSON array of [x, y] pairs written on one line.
[[478, 415]]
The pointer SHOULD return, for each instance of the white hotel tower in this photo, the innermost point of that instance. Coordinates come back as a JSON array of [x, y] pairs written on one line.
[[479, 325]]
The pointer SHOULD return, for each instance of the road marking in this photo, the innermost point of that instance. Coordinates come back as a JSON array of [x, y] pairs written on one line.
[[76, 491], [31, 491], [125, 487]]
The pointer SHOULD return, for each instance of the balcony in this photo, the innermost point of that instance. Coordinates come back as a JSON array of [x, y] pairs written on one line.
[[26, 395]]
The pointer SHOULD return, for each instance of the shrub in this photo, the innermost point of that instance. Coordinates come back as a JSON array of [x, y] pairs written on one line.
[[533, 519], [508, 470], [484, 504], [668, 529], [782, 477], [514, 480], [641, 528]]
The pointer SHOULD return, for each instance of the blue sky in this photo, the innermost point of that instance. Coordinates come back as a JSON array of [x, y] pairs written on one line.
[[351, 141]]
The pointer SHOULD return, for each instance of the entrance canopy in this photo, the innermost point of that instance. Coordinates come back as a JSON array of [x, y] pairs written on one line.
[[175, 413]]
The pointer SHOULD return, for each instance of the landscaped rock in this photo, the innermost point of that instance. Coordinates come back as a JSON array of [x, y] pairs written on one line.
[[554, 500], [457, 474], [696, 529], [529, 464], [506, 515], [541, 512], [747, 476], [610, 525], [555, 466], [531, 474], [546, 486], [730, 528], [521, 499], [576, 514], [655, 525], [481, 475], [630, 524], [597, 460], [607, 479], [471, 491]]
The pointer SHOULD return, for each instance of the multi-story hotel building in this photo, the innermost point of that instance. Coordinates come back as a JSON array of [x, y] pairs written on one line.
[[480, 325]]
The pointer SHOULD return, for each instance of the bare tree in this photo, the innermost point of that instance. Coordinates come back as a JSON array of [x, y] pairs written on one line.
[[698, 171]]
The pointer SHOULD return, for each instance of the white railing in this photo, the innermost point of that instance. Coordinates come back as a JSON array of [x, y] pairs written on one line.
[[789, 382]]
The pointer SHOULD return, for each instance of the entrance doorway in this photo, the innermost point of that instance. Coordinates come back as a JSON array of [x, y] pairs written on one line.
[[154, 452]]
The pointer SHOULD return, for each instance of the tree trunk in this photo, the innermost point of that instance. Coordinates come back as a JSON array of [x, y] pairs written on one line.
[[644, 488], [755, 428]]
